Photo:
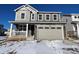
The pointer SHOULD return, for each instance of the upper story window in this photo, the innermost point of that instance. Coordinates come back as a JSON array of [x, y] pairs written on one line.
[[75, 16], [22, 15], [47, 17], [40, 16], [78, 16], [32, 16], [55, 17]]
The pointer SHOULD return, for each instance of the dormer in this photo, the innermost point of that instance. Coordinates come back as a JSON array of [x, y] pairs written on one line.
[[25, 13]]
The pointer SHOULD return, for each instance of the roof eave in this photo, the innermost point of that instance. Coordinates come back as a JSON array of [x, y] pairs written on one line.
[[37, 22], [24, 6], [49, 12]]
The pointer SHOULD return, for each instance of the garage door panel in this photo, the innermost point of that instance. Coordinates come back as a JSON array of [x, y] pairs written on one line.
[[55, 34], [42, 34], [50, 34]]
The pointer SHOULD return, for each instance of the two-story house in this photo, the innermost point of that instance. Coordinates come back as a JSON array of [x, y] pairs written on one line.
[[40, 24]]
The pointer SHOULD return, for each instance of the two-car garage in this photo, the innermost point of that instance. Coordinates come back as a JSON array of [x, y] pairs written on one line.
[[50, 32]]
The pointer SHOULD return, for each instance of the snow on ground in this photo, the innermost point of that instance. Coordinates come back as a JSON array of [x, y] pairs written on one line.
[[2, 37], [42, 47]]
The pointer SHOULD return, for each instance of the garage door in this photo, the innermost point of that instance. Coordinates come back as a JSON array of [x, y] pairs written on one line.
[[50, 32]]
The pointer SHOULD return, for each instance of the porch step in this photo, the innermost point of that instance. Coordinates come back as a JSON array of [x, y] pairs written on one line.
[[16, 38]]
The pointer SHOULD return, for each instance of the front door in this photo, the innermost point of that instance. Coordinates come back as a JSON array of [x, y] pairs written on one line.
[[31, 30]]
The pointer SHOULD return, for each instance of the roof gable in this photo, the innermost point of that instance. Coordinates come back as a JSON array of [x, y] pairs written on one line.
[[25, 7]]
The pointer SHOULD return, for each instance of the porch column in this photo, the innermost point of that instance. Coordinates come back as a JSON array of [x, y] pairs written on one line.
[[10, 34], [26, 30], [78, 30], [73, 27]]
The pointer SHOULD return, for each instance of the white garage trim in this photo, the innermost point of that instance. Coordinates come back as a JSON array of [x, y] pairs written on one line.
[[50, 32]]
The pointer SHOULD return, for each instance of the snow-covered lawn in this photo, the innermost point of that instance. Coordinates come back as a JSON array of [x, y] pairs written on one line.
[[2, 37], [43, 47]]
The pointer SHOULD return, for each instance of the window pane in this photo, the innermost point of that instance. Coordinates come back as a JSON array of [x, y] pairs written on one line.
[[40, 27], [32, 16], [55, 17], [52, 27], [75, 16], [58, 27], [47, 17], [24, 25], [46, 27], [24, 28], [22, 15], [40, 17], [20, 28], [20, 25]]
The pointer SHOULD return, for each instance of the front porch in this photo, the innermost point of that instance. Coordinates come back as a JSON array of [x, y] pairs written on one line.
[[21, 31], [20, 38]]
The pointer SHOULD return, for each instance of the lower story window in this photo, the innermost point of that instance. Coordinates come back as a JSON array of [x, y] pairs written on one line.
[[22, 27]]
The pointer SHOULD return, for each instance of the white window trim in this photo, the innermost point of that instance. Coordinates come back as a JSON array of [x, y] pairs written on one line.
[[31, 16], [21, 16], [45, 17], [38, 17], [53, 17]]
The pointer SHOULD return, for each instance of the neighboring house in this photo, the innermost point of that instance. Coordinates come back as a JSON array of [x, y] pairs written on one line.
[[75, 22], [72, 24], [42, 25], [68, 26]]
